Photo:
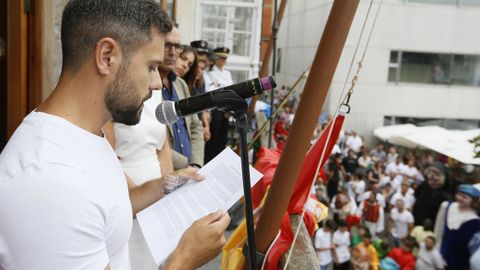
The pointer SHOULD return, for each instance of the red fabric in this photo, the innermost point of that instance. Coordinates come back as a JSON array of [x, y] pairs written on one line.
[[405, 259], [267, 161], [353, 220], [301, 192], [371, 212]]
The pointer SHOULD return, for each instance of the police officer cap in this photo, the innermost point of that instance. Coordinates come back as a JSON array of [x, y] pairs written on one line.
[[222, 52], [201, 46]]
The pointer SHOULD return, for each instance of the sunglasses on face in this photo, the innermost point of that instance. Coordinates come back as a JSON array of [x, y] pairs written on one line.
[[169, 45]]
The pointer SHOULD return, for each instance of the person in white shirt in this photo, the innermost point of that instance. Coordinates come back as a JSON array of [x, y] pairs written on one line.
[[64, 199], [394, 169], [392, 155], [215, 78], [354, 142], [429, 257], [373, 185], [401, 222], [364, 160], [410, 172], [323, 244], [341, 243], [372, 214], [405, 194]]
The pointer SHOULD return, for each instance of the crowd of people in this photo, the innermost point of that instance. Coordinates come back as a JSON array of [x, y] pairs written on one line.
[[393, 211]]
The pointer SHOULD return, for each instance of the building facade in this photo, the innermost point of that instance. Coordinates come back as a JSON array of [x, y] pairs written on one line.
[[422, 65]]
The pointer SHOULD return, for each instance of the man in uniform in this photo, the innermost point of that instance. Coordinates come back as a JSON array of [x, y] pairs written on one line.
[[215, 78]]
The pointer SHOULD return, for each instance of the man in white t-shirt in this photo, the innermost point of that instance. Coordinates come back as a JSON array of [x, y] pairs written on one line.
[[341, 242], [354, 142], [323, 244], [405, 194], [429, 257], [395, 170], [410, 172], [401, 222], [64, 200]]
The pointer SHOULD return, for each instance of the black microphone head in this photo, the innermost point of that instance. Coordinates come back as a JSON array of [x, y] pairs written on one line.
[[268, 83], [166, 113]]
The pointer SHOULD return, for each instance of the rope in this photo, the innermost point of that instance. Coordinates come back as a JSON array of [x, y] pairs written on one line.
[[347, 99]]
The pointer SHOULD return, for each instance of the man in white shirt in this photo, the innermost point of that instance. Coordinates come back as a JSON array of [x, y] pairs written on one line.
[[401, 222], [429, 257], [395, 169], [411, 172], [354, 142], [215, 78], [341, 242], [64, 200], [405, 194], [323, 244]]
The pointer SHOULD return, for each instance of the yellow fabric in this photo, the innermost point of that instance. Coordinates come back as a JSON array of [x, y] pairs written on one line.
[[232, 256], [373, 257]]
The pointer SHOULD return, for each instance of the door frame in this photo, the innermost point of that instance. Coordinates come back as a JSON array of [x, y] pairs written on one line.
[[24, 59]]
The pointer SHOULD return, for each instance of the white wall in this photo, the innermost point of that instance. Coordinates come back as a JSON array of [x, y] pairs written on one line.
[[186, 19], [400, 26]]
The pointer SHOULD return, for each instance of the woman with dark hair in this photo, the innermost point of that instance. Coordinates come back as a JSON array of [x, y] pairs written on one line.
[[190, 67], [186, 66]]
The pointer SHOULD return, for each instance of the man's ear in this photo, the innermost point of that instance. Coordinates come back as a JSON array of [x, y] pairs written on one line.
[[108, 56]]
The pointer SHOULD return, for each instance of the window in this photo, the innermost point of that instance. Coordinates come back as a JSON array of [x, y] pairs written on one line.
[[230, 26], [415, 67]]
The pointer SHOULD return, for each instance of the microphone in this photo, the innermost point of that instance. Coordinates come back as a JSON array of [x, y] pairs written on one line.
[[169, 112]]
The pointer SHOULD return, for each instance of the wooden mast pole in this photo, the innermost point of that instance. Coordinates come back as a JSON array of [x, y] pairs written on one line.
[[316, 89]]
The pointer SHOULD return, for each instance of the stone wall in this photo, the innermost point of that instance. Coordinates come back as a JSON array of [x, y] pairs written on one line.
[[52, 49]]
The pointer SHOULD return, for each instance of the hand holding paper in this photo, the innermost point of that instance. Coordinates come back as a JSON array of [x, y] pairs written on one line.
[[164, 222]]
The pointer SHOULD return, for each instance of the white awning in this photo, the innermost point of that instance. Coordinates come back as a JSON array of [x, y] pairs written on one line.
[[452, 143]]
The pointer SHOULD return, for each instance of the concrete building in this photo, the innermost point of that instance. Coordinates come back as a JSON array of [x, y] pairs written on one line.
[[422, 65]]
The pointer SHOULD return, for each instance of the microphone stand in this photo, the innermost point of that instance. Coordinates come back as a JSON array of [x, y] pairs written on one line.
[[229, 101]]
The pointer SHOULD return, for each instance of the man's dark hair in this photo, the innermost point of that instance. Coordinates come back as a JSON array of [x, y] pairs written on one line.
[[85, 22], [329, 223], [432, 238]]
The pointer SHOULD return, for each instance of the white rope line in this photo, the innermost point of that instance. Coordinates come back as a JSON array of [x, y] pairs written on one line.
[[270, 249], [355, 52], [336, 115], [360, 63]]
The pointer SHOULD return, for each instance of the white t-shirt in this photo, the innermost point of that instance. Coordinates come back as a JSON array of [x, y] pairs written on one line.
[[428, 259], [364, 196], [400, 222], [136, 146], [364, 161], [411, 172], [408, 199], [323, 240], [64, 200], [217, 78], [342, 241], [354, 143], [358, 187]]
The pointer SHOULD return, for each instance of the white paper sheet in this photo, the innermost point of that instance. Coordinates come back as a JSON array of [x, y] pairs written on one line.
[[164, 222]]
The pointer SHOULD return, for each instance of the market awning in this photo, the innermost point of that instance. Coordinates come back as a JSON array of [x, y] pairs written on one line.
[[452, 143]]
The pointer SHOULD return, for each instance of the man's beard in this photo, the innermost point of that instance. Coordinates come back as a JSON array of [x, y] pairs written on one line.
[[121, 99]]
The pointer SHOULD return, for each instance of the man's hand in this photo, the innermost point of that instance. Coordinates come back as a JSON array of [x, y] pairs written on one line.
[[200, 243]]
